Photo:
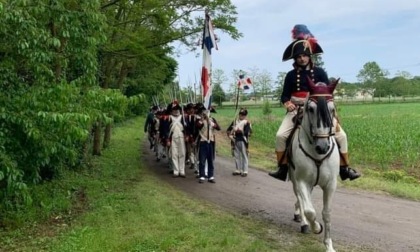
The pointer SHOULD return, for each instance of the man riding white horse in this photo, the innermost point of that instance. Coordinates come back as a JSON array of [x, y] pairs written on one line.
[[295, 91]]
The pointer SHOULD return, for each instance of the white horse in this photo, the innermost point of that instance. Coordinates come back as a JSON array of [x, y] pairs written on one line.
[[314, 159]]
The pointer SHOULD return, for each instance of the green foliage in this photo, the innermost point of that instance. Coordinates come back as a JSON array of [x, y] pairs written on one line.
[[137, 57], [49, 97], [266, 109], [218, 95], [48, 127]]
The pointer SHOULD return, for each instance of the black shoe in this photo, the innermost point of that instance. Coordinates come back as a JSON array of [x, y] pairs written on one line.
[[281, 173], [348, 173]]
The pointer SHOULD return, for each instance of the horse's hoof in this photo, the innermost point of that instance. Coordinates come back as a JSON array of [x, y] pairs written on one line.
[[304, 229], [297, 218], [320, 231]]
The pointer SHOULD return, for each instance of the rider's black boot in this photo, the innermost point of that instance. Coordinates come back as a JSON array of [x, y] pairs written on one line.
[[348, 173], [281, 173]]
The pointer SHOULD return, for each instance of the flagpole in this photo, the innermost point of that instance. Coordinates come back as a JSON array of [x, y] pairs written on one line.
[[195, 88]]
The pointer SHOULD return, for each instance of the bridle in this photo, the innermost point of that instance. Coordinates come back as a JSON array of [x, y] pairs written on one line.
[[323, 117]]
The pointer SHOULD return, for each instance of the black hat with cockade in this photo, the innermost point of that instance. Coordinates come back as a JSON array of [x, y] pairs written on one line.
[[303, 43], [243, 111]]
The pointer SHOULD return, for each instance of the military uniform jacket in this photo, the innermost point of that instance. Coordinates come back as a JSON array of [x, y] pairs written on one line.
[[241, 129], [296, 82]]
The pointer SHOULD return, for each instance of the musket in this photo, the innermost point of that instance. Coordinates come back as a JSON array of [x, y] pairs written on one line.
[[195, 90]]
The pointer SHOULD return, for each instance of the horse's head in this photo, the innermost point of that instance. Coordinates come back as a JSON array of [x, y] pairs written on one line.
[[319, 114]]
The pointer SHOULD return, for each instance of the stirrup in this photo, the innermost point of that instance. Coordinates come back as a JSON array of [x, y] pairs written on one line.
[[348, 173], [281, 173]]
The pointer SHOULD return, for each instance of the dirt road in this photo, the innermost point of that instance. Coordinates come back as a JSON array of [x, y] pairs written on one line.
[[364, 219]]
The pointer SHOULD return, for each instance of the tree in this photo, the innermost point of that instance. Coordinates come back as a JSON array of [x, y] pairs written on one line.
[[317, 60], [279, 82], [371, 76], [49, 95], [140, 34], [265, 82], [404, 74], [218, 94], [252, 73], [262, 82], [218, 78]]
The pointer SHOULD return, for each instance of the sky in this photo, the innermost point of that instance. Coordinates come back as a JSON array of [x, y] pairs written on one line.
[[350, 32]]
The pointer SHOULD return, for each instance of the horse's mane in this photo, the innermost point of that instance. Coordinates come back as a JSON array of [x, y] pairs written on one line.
[[323, 113], [322, 107]]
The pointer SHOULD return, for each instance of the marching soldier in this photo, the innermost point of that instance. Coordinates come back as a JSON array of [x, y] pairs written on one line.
[[206, 144], [177, 140], [239, 132], [148, 125]]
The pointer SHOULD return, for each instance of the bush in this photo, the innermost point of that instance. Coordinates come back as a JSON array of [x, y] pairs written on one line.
[[266, 108]]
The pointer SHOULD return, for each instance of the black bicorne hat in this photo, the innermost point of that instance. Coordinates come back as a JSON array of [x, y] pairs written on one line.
[[303, 43], [243, 111], [174, 105], [189, 106]]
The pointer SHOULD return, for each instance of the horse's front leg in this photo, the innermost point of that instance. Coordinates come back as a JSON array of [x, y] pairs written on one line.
[[308, 212], [301, 218], [297, 217], [305, 198], [326, 216]]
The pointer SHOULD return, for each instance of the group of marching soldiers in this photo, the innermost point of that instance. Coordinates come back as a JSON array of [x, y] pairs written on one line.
[[186, 135]]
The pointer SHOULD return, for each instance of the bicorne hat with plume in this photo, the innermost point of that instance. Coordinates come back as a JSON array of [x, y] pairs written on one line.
[[304, 42]]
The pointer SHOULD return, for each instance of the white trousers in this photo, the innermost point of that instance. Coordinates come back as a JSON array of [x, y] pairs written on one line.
[[286, 127], [177, 150], [241, 157]]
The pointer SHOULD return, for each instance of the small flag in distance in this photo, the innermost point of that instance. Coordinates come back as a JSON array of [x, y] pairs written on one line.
[[244, 83]]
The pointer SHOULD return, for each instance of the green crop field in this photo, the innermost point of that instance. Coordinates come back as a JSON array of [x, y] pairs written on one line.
[[381, 136]]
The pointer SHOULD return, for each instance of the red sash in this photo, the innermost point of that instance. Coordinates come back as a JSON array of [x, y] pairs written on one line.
[[300, 94]]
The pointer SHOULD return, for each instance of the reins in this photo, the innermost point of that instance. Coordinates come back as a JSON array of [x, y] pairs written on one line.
[[318, 162]]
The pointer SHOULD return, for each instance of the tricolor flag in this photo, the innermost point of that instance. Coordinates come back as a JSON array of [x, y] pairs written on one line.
[[244, 83], [208, 43]]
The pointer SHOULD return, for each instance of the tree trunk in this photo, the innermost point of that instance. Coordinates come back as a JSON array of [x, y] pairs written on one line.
[[85, 155], [107, 69], [122, 75], [107, 136], [97, 139]]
